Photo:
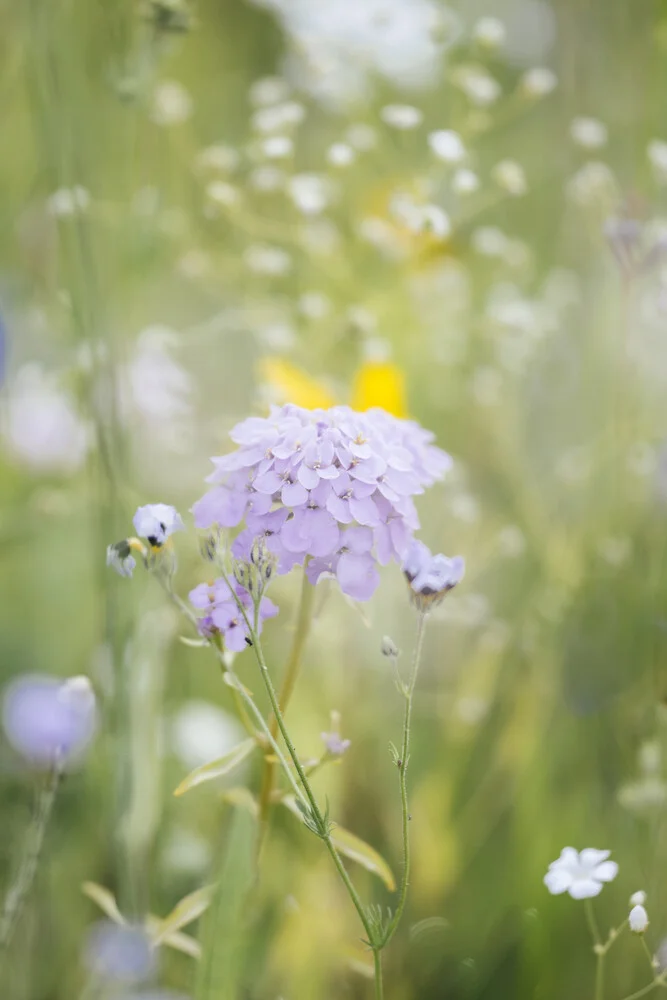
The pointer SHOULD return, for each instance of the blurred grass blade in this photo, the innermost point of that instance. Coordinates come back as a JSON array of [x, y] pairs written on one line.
[[217, 768], [104, 899], [354, 848], [189, 908], [225, 935], [242, 797]]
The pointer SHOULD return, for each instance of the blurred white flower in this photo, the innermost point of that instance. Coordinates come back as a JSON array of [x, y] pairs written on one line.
[[477, 84], [615, 551], [268, 90], [465, 181], [278, 117], [220, 157], [267, 179], [40, 424], [68, 201], [595, 181], [160, 389], [489, 241], [580, 873], [489, 32], [538, 81], [223, 194], [509, 175], [185, 852], [419, 218], [638, 898], [401, 116], [340, 154], [657, 156], [201, 732], [447, 146], [271, 261], [314, 305], [320, 236], [588, 132], [337, 48], [638, 919], [362, 137], [171, 103], [277, 147], [310, 193]]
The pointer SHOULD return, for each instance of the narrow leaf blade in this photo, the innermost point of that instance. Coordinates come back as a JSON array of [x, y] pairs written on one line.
[[216, 768], [190, 908], [104, 899]]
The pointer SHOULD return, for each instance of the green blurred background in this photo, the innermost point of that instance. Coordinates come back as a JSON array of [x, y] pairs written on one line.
[[142, 317]]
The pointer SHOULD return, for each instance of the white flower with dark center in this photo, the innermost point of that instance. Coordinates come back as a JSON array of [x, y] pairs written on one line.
[[580, 873], [156, 522]]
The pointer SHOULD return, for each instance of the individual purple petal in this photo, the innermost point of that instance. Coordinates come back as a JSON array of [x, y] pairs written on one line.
[[267, 609], [220, 506], [320, 566], [268, 482], [367, 470], [201, 596], [357, 575], [340, 509], [365, 511], [294, 495], [358, 540], [308, 477]]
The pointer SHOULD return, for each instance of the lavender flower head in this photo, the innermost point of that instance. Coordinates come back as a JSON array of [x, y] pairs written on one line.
[[430, 577], [121, 954], [223, 614], [330, 487], [49, 721]]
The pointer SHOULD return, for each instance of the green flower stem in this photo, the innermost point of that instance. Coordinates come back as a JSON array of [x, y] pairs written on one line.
[[304, 618], [34, 841], [315, 809], [377, 960], [402, 765], [238, 687], [660, 980]]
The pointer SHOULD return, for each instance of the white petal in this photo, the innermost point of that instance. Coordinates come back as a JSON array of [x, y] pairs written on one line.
[[557, 880], [605, 872], [590, 857], [568, 856], [638, 919], [584, 888]]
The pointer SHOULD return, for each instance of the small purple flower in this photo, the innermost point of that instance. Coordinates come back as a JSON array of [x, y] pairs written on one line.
[[334, 744], [223, 614], [121, 954], [156, 522], [304, 478], [49, 721], [430, 577]]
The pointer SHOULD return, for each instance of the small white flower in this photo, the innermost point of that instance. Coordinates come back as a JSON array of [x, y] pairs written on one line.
[[489, 241], [309, 192], [267, 179], [489, 32], [172, 104], [477, 84], [638, 919], [340, 154], [68, 201], [638, 898], [278, 117], [539, 81], [588, 132], [595, 181], [509, 175], [580, 873], [277, 147], [219, 157], [264, 259], [465, 181], [268, 90], [156, 522], [314, 305], [447, 145], [222, 193], [120, 558], [401, 116]]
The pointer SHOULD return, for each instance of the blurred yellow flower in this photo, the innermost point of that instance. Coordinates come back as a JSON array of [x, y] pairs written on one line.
[[375, 383]]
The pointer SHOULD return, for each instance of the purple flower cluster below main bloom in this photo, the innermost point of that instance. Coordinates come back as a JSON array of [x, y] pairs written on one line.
[[430, 577], [224, 615], [334, 486]]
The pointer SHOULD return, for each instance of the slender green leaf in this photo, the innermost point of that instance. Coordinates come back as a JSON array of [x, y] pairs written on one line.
[[177, 940], [217, 768], [189, 908], [104, 899]]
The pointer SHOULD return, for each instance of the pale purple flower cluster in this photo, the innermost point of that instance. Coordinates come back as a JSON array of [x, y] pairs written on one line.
[[331, 486], [223, 614]]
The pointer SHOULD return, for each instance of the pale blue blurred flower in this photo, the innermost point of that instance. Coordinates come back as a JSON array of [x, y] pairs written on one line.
[[46, 720], [156, 522], [121, 954]]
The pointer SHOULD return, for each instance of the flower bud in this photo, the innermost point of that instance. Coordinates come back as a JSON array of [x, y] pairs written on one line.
[[638, 898], [638, 919], [389, 647]]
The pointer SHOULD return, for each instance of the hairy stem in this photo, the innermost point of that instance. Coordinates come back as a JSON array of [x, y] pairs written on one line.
[[34, 841], [402, 765]]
